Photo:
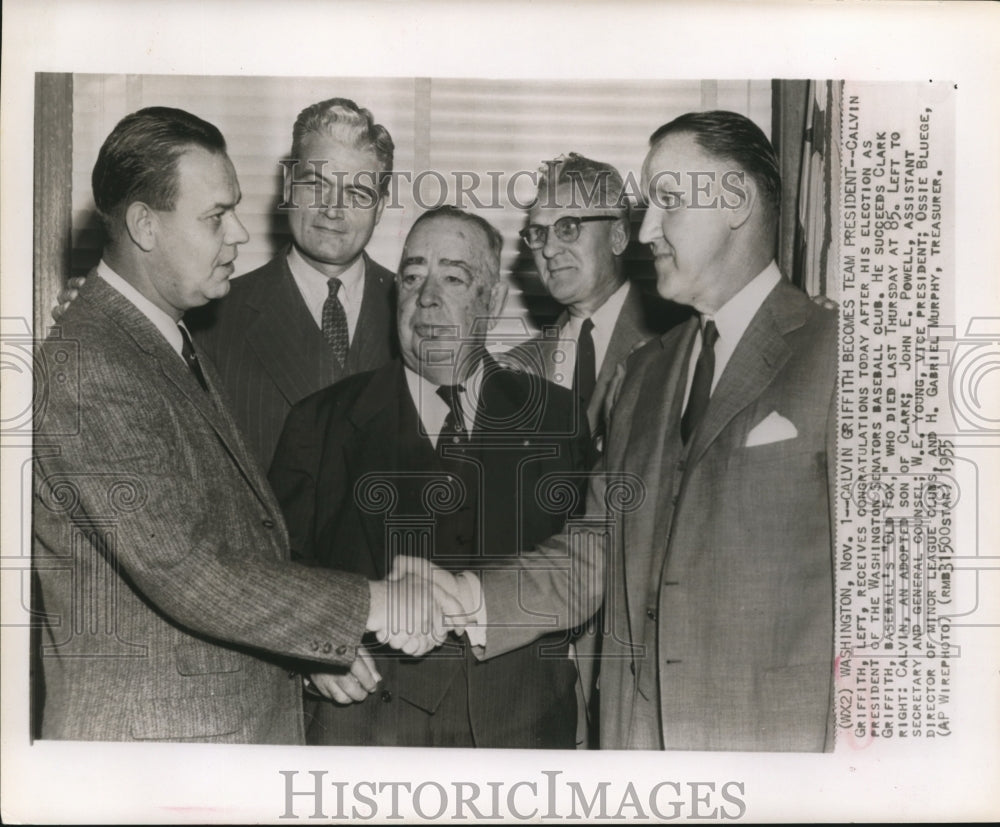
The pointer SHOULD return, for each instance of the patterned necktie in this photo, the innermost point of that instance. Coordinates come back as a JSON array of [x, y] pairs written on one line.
[[586, 364], [454, 423], [187, 351], [335, 329], [701, 385]]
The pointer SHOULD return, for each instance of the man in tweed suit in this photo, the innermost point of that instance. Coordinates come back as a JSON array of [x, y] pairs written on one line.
[[718, 595], [321, 309], [172, 611]]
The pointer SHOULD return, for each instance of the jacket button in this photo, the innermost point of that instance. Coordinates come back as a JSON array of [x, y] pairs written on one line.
[[674, 499], [314, 645], [386, 696], [651, 614], [680, 466], [267, 522], [327, 648], [341, 650]]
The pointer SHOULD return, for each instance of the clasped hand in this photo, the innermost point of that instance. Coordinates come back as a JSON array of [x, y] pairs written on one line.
[[412, 610], [415, 607]]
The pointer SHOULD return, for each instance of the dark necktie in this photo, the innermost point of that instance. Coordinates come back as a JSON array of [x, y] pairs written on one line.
[[335, 323], [701, 385], [187, 351], [454, 424], [586, 363]]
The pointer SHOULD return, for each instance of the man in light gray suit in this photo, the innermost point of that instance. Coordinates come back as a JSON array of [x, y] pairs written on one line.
[[718, 580], [578, 232], [171, 609]]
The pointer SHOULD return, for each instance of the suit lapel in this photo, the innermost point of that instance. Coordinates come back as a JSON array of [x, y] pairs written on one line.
[[373, 448], [758, 357], [210, 406], [628, 331], [283, 335], [374, 328], [654, 426]]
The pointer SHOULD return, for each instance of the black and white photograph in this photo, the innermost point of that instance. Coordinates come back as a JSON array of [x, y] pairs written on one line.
[[479, 416]]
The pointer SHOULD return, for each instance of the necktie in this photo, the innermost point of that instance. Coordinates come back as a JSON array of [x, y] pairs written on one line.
[[187, 351], [701, 385], [586, 363], [454, 424], [335, 323]]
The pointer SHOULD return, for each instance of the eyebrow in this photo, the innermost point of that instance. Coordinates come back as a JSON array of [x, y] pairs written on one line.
[[457, 262], [224, 205]]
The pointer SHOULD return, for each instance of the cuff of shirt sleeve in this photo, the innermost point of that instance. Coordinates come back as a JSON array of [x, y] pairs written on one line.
[[472, 601]]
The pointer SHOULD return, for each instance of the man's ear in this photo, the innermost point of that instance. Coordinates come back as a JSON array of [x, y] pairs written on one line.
[[140, 221], [498, 298], [619, 235], [740, 200]]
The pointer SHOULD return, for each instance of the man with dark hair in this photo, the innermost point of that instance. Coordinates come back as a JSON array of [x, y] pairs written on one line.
[[449, 453], [172, 611], [321, 309], [718, 593]]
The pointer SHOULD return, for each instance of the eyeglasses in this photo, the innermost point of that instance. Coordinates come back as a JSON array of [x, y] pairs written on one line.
[[567, 229]]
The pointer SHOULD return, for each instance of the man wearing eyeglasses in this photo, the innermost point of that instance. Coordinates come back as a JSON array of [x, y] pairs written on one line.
[[578, 231], [718, 589]]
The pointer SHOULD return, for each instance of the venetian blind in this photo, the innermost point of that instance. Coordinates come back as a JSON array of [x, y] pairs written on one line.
[[447, 132]]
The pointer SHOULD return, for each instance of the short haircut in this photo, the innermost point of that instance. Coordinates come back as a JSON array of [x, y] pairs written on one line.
[[594, 184], [138, 160], [730, 136], [345, 121], [494, 238]]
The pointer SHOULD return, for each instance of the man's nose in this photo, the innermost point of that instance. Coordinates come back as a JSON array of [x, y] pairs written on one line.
[[430, 293], [650, 230], [552, 244], [237, 233]]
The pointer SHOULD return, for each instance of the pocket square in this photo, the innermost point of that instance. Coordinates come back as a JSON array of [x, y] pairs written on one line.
[[773, 428]]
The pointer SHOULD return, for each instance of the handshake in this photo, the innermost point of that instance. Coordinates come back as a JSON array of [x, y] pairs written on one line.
[[418, 603], [412, 610]]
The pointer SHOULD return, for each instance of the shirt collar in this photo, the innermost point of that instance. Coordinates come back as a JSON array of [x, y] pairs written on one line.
[[160, 319], [432, 409], [352, 278], [606, 316], [733, 318]]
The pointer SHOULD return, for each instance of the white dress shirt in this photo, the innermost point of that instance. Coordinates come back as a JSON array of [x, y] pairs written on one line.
[[433, 410], [315, 287], [732, 320], [604, 319], [160, 318]]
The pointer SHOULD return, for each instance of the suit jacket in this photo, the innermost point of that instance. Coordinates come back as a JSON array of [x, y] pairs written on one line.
[[160, 551], [270, 353], [539, 355], [344, 439], [719, 589]]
